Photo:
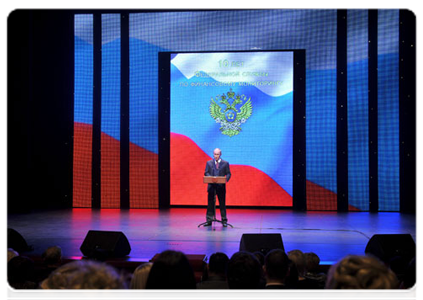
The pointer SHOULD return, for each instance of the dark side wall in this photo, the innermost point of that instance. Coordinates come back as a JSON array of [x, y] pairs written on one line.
[[40, 109]]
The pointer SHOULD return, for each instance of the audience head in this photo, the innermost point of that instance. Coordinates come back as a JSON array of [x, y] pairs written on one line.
[[409, 279], [360, 272], [171, 270], [276, 265], [244, 271], [140, 276], [312, 261], [292, 278], [298, 258], [84, 274], [260, 256], [11, 254], [21, 272], [218, 263], [52, 255]]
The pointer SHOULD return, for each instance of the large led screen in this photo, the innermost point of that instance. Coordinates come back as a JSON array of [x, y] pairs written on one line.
[[241, 103]]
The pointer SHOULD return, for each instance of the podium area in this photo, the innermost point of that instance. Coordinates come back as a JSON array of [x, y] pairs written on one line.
[[330, 235]]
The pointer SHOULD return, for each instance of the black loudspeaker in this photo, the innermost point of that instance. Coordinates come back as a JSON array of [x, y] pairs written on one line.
[[387, 246], [255, 242], [16, 241], [105, 244]]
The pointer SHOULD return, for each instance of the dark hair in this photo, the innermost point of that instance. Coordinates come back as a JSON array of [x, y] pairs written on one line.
[[218, 263], [20, 269], [412, 274], [260, 256], [277, 264], [298, 257], [292, 279], [312, 261], [171, 270], [244, 271]]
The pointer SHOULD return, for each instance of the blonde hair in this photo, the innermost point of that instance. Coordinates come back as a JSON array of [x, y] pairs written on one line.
[[140, 276], [11, 254], [84, 274], [360, 272]]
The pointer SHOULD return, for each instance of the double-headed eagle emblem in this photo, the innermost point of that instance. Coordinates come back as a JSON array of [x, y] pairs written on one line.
[[237, 111]]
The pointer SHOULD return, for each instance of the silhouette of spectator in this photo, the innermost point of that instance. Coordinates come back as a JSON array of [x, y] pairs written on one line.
[[171, 270], [244, 271], [20, 273], [140, 276], [10, 253], [84, 274], [312, 269], [260, 256], [410, 289], [276, 268], [52, 259], [398, 265], [299, 260], [361, 272], [291, 281], [216, 270]]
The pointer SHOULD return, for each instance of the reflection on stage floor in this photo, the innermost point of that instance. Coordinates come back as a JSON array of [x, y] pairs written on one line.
[[331, 235]]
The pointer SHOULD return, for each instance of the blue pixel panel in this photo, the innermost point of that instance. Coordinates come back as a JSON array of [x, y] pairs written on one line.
[[358, 109], [388, 109]]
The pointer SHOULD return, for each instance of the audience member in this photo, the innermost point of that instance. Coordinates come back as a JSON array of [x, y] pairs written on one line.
[[171, 270], [398, 265], [291, 281], [140, 276], [244, 271], [216, 272], [260, 256], [84, 274], [52, 259], [10, 253], [410, 289], [20, 273], [312, 269], [276, 268], [361, 272], [299, 260]]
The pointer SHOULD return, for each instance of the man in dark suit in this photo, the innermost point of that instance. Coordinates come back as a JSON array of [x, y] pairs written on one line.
[[217, 167], [243, 276], [276, 269], [215, 278]]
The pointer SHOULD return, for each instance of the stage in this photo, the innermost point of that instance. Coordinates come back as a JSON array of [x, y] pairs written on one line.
[[331, 235]]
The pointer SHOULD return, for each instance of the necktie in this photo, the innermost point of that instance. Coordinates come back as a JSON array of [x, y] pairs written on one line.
[[217, 165]]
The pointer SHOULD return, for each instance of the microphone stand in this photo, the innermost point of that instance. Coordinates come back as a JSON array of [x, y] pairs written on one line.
[[214, 216]]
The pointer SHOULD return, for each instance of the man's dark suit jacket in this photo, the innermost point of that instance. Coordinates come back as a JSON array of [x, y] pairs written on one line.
[[222, 171]]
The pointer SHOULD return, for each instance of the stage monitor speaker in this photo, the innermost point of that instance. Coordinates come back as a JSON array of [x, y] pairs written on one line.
[[16, 241], [105, 244], [261, 242], [388, 246]]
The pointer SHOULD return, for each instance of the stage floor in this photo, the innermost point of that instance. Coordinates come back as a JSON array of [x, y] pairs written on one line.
[[330, 235]]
